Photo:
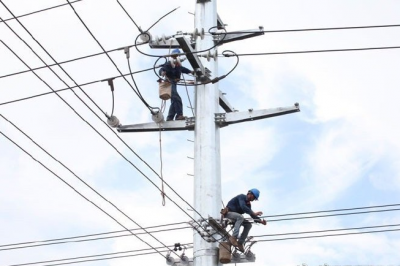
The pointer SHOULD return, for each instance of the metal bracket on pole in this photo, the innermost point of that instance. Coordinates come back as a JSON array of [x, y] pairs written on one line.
[[240, 35], [224, 119], [223, 102], [201, 72], [187, 124]]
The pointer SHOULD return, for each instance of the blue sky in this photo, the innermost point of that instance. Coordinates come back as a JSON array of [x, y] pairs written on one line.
[[341, 151]]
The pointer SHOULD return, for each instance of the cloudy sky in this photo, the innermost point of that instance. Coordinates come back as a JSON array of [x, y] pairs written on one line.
[[341, 151]]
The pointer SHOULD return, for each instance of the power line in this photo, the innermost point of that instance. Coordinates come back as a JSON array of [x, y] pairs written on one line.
[[98, 117], [100, 255], [312, 29], [69, 239], [126, 12], [65, 182], [115, 65], [330, 230], [328, 215], [45, 242], [345, 234], [70, 60], [70, 87], [38, 11], [262, 240], [316, 51]]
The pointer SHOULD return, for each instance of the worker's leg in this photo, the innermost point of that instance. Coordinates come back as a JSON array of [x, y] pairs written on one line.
[[238, 220], [246, 229], [176, 101]]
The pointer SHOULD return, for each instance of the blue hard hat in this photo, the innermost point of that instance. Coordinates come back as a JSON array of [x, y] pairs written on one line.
[[255, 192], [176, 51]]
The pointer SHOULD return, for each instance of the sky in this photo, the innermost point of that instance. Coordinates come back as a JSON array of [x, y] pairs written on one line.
[[341, 151]]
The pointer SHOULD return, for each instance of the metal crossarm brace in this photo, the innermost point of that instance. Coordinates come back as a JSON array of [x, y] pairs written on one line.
[[175, 125], [223, 102], [231, 37], [224, 119], [191, 56]]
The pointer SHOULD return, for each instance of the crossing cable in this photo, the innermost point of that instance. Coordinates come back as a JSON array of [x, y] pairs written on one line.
[[98, 255], [86, 238], [161, 18], [126, 12], [135, 91], [71, 60], [328, 215], [151, 109], [262, 240], [214, 33], [311, 29], [87, 185], [316, 51], [344, 234], [65, 182], [71, 87], [38, 11], [105, 124], [45, 242], [330, 230]]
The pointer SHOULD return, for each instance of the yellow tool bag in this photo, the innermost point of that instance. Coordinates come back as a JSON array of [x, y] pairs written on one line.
[[164, 90]]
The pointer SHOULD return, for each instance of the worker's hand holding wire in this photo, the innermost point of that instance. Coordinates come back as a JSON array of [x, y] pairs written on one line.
[[264, 222], [258, 213]]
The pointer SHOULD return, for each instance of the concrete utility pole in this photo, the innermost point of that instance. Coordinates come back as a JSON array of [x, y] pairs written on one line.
[[207, 162], [206, 123]]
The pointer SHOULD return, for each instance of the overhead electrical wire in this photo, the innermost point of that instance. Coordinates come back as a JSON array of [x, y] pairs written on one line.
[[39, 11], [330, 230], [316, 51], [126, 12], [79, 193], [102, 121], [85, 238], [44, 242], [151, 109], [87, 185], [82, 259], [328, 215], [161, 18], [72, 87], [313, 29], [258, 241]]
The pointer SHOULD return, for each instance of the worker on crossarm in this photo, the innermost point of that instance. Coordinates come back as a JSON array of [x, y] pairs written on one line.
[[173, 70], [236, 207]]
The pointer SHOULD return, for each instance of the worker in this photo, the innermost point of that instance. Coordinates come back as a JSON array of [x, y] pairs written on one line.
[[234, 210], [173, 70]]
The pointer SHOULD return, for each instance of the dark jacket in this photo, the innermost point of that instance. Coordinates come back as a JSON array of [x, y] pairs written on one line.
[[173, 73], [241, 205]]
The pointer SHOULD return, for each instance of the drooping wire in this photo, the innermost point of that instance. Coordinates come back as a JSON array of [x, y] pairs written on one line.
[[312, 29], [71, 87], [318, 51], [69, 185], [328, 215], [151, 109], [39, 11], [91, 258], [71, 60], [161, 18], [126, 12], [85, 238]]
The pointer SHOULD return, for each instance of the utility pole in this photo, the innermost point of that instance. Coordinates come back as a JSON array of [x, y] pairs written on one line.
[[206, 124], [207, 162]]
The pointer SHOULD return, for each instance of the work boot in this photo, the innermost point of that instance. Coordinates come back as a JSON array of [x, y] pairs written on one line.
[[240, 247], [233, 241], [180, 117]]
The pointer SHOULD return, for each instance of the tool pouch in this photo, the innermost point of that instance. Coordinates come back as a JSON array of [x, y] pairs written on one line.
[[164, 90]]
